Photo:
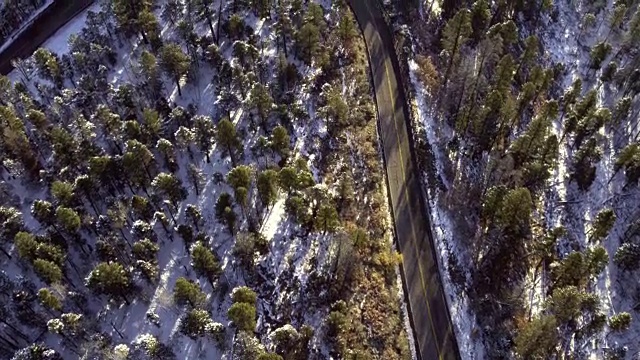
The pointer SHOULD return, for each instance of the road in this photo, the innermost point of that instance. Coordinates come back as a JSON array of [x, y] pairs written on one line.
[[45, 25], [429, 313]]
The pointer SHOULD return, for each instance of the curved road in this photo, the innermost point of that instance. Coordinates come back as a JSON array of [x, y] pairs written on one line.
[[428, 310]]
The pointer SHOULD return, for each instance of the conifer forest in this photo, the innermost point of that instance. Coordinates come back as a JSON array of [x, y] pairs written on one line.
[[208, 179]]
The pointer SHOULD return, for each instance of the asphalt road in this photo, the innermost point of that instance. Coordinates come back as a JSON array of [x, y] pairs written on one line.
[[428, 309], [45, 25]]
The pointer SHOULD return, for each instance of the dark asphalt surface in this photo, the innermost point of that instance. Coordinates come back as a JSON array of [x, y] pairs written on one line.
[[46, 24], [429, 313]]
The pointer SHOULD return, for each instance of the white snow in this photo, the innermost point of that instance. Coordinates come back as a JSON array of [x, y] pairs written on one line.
[[463, 319]]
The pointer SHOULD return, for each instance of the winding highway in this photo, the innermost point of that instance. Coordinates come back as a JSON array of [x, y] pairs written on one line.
[[428, 309]]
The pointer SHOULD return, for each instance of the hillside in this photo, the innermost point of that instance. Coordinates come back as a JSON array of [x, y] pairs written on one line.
[[526, 117], [196, 180]]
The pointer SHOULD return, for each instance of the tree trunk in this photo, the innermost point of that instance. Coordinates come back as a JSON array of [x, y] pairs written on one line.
[[5, 252], [144, 37], [126, 300], [217, 38], [211, 27], [178, 84]]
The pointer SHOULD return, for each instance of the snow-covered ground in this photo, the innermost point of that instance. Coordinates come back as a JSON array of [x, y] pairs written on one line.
[[567, 42], [463, 319], [28, 22], [291, 254]]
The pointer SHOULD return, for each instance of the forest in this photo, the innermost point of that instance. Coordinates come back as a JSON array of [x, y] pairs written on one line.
[[526, 124], [187, 179]]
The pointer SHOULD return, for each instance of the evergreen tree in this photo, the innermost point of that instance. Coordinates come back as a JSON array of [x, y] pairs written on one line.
[[327, 218], [538, 339], [175, 63], [172, 11], [128, 13], [204, 10], [480, 17], [243, 316], [68, 219], [198, 323], [49, 300], [194, 214], [280, 141], [145, 250], [620, 322], [262, 103], [267, 184], [598, 53], [627, 256], [168, 186], [227, 137], [240, 180], [602, 225], [455, 34], [205, 263], [244, 294], [205, 134], [188, 292], [308, 42], [48, 271], [110, 279], [225, 212]]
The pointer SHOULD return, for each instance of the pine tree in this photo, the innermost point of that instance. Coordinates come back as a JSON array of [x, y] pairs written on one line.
[[145, 250], [598, 53], [603, 223], [49, 300], [629, 160], [205, 133], [188, 292], [168, 186], [227, 137], [48, 271], [225, 212], [262, 103], [538, 339], [172, 11], [240, 180], [15, 141], [110, 279], [480, 17], [620, 322], [175, 63], [567, 303], [455, 34], [204, 10], [627, 256], [327, 218], [308, 42], [198, 323], [193, 213], [243, 316], [205, 263], [280, 141], [243, 294], [68, 219], [138, 162], [267, 184]]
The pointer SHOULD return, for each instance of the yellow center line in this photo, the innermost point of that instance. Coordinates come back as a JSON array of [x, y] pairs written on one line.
[[406, 197]]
